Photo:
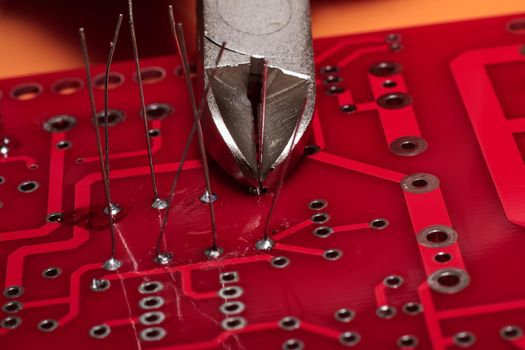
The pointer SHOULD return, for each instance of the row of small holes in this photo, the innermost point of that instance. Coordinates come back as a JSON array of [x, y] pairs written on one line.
[[63, 123], [29, 91]]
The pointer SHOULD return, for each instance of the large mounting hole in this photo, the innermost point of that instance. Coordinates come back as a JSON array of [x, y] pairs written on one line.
[[449, 281]]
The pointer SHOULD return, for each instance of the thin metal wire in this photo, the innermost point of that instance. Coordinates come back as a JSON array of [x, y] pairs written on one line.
[[282, 176], [104, 168], [194, 128], [142, 99], [112, 47], [200, 136], [261, 122]]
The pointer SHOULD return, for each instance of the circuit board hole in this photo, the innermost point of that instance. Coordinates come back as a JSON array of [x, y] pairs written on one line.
[[28, 186], [349, 338], [442, 257], [151, 75], [114, 80], [26, 92], [68, 86], [407, 341]]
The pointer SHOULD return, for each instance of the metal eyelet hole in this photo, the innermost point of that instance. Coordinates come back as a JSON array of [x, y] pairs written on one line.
[[329, 69], [393, 281], [280, 262], [323, 231], [318, 204], [12, 307], [408, 146], [151, 75], [55, 217], [464, 339], [233, 323], [389, 84], [150, 287], [420, 183], [412, 308], [232, 308], [231, 292], [349, 338], [386, 312], [100, 285], [393, 38], [52, 272], [311, 150], [516, 26], [229, 277], [344, 315], [289, 323], [407, 341], [332, 79], [335, 90], [449, 281], [442, 257], [385, 69], [13, 291], [2, 180], [379, 224], [511, 332], [68, 86], [158, 111], [395, 100], [26, 92], [293, 344], [28, 186], [437, 236], [320, 218], [100, 331], [114, 81], [60, 123], [348, 108], [152, 318], [154, 132], [11, 322], [62, 145], [332, 254], [152, 334], [114, 117], [47, 325], [153, 302]]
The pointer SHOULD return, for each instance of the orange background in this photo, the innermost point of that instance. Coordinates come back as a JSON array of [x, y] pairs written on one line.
[[38, 36]]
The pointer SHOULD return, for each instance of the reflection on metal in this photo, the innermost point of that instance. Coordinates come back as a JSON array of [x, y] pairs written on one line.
[[261, 86]]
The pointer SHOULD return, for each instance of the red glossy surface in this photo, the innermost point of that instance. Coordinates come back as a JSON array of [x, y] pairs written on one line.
[[443, 70]]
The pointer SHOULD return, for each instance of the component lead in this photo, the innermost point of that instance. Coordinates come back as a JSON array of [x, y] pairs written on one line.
[[181, 44], [112, 263], [266, 243], [144, 113], [159, 253]]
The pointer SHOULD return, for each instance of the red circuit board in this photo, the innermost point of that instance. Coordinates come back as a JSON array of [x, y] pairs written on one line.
[[401, 229]]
